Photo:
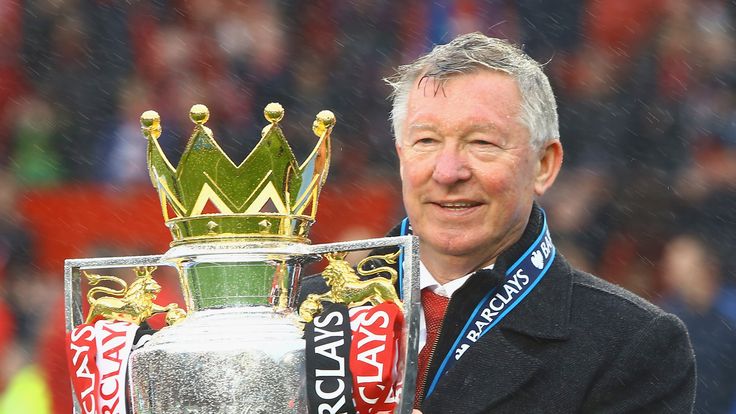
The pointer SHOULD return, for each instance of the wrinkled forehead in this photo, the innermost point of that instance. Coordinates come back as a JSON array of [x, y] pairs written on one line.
[[465, 91], [430, 84], [439, 75]]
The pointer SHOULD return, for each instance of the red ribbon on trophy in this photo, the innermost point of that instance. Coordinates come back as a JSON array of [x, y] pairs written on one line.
[[82, 357], [98, 359], [374, 353], [352, 359]]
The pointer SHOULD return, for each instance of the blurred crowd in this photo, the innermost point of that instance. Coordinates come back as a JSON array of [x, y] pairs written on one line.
[[647, 102]]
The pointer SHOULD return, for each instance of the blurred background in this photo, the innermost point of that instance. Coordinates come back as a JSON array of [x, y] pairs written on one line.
[[647, 102]]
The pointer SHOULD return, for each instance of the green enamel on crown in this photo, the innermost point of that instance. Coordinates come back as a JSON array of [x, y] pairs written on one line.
[[269, 196]]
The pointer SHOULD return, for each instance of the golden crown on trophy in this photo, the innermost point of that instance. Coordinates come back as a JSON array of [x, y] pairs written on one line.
[[269, 196]]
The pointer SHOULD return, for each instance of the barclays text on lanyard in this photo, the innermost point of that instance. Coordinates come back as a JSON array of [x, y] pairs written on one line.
[[521, 278]]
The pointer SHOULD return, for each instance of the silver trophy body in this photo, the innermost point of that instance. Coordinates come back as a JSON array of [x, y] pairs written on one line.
[[240, 349]]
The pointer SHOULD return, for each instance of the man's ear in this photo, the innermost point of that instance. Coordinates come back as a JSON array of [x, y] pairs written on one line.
[[548, 166]]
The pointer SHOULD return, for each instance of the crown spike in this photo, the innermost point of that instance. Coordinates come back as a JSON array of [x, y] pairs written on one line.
[[325, 120], [199, 114], [151, 124], [274, 112]]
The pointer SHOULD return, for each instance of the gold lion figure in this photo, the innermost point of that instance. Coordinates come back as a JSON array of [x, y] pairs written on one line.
[[132, 303], [346, 287]]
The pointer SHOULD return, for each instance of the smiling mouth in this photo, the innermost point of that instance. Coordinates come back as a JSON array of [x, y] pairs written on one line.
[[461, 205]]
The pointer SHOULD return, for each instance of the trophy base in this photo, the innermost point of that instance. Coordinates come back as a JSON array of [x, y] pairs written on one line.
[[247, 360]]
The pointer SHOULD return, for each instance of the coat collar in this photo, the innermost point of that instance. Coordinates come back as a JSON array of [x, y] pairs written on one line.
[[545, 312], [496, 368]]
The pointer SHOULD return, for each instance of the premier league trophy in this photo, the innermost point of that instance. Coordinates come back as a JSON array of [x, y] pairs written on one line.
[[245, 344]]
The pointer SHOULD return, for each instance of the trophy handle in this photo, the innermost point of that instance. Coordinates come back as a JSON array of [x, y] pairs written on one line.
[[75, 270], [409, 293]]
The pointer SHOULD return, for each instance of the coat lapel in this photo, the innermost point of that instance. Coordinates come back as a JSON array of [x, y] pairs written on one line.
[[545, 312], [495, 368], [480, 380]]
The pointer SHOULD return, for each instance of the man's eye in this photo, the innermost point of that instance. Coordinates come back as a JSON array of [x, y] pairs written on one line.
[[483, 143], [425, 141]]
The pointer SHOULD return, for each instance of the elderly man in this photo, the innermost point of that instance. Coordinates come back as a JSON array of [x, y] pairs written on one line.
[[509, 326]]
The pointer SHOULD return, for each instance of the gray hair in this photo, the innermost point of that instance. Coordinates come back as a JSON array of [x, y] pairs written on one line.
[[469, 53]]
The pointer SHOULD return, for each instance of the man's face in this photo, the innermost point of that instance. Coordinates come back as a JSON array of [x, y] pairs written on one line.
[[468, 170]]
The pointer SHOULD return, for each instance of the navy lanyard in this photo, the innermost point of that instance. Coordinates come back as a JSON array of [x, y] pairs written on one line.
[[521, 278]]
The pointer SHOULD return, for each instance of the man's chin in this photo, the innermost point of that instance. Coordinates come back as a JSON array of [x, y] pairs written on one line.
[[455, 244]]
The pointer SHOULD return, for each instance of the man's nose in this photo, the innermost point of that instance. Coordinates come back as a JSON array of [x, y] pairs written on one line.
[[451, 167]]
